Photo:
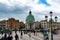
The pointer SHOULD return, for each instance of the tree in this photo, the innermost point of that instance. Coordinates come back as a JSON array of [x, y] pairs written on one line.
[[22, 25]]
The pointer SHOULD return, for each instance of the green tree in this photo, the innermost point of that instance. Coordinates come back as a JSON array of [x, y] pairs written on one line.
[[22, 25]]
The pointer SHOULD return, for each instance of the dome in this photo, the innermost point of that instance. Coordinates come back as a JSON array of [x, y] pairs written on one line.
[[30, 18], [51, 20]]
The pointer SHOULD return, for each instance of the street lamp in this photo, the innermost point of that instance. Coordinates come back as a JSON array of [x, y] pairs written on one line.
[[46, 29], [51, 25], [46, 17], [51, 14], [56, 20]]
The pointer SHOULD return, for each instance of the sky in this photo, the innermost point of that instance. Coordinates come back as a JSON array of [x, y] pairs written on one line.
[[19, 9]]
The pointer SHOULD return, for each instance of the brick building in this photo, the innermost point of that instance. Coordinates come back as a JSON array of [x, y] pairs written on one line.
[[12, 23]]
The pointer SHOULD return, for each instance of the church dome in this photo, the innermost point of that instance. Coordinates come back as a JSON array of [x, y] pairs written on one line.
[[30, 18]]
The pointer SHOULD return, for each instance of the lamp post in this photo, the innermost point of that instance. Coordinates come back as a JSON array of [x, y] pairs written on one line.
[[56, 20], [46, 30], [46, 18], [51, 25]]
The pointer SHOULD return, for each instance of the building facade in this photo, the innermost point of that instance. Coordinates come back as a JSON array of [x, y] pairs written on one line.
[[3, 24], [45, 24], [12, 23], [37, 25]]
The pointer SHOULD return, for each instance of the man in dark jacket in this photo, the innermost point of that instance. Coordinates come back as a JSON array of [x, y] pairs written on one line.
[[16, 37], [5, 36], [9, 37]]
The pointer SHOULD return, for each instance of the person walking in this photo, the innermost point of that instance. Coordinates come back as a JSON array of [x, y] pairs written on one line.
[[21, 34], [16, 37], [2, 38], [29, 34], [34, 32], [5, 36], [9, 37]]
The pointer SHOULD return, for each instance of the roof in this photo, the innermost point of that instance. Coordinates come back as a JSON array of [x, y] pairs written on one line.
[[30, 18]]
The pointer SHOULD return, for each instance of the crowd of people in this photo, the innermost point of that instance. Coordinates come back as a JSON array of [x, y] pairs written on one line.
[[7, 38], [10, 37]]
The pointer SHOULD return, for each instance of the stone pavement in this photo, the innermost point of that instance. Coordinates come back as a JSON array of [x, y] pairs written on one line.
[[39, 36]]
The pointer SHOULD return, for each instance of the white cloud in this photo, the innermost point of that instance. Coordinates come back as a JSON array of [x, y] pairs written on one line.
[[36, 1], [55, 6], [35, 7]]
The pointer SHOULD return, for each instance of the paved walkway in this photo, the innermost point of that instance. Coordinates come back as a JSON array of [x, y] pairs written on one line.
[[39, 36]]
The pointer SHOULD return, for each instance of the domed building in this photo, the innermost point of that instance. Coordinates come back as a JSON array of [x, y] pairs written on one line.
[[30, 21], [30, 18]]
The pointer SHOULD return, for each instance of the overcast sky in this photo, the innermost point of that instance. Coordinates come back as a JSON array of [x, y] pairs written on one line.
[[19, 9]]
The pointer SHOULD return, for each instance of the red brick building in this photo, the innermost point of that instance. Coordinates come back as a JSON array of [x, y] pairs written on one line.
[[12, 23]]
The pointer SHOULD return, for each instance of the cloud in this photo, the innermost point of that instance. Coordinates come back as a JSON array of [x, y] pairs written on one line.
[[16, 9], [19, 8], [3, 8]]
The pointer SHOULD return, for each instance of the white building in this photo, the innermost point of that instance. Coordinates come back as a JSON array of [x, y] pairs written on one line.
[[3, 24]]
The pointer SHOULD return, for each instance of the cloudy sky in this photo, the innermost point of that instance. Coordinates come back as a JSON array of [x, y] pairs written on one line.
[[19, 9]]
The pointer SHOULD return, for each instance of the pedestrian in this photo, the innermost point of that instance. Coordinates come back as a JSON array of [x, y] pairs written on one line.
[[29, 34], [34, 32], [2, 38], [2, 32], [21, 34], [16, 37], [9, 37], [10, 33], [47, 38], [5, 36]]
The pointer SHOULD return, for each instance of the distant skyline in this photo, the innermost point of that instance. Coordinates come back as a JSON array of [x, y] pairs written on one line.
[[19, 9]]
